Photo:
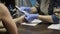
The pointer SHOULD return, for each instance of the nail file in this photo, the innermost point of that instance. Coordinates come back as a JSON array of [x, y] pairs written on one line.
[[22, 11]]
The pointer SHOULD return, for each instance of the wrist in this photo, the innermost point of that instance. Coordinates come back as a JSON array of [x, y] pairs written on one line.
[[39, 16], [33, 10]]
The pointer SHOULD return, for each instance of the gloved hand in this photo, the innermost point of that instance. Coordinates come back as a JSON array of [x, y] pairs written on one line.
[[31, 17], [27, 9]]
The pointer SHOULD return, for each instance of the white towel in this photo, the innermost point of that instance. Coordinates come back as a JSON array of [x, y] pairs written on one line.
[[54, 26], [33, 23]]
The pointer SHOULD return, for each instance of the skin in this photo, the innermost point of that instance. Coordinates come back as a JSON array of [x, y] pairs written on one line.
[[7, 20], [19, 19], [46, 18]]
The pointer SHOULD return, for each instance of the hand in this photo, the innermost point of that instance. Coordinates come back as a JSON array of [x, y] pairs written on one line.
[[31, 17], [27, 9]]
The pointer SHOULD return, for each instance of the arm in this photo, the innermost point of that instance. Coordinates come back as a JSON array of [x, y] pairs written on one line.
[[51, 18], [19, 19], [47, 18], [7, 20]]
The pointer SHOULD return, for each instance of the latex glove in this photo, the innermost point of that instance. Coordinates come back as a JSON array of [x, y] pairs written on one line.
[[31, 17], [27, 9]]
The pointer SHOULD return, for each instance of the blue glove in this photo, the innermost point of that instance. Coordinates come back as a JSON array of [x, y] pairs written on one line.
[[27, 9], [31, 17]]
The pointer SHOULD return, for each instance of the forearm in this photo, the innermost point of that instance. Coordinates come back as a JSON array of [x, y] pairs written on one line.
[[19, 19], [7, 20], [46, 18], [10, 25]]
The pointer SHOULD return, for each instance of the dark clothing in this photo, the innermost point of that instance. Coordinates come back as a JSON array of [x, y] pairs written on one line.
[[57, 3], [10, 4], [38, 8], [52, 4], [50, 9]]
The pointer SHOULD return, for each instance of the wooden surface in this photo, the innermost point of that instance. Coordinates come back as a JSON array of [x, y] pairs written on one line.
[[39, 29]]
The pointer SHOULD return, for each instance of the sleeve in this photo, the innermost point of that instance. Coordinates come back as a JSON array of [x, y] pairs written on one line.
[[55, 19], [37, 5]]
